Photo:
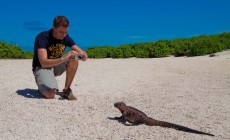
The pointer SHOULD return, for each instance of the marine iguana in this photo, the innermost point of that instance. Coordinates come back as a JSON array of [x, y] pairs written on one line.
[[137, 117]]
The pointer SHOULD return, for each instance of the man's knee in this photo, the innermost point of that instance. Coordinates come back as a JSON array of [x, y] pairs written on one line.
[[72, 65], [73, 62]]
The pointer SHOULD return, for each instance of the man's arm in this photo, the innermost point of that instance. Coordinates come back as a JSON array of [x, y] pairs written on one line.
[[45, 62], [80, 51]]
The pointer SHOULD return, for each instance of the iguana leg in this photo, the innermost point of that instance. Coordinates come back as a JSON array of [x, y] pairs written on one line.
[[118, 118], [121, 119]]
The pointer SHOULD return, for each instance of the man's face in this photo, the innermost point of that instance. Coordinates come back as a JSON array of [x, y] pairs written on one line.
[[60, 32]]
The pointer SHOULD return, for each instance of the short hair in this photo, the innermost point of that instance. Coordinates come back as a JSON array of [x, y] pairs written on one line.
[[60, 21]]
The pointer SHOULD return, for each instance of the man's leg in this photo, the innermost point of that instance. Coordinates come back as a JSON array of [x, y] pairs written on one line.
[[46, 82], [70, 73], [70, 67]]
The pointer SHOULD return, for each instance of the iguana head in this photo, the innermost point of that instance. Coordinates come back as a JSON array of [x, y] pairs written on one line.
[[119, 104]]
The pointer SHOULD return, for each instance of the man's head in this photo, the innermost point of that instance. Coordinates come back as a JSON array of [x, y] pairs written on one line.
[[60, 27]]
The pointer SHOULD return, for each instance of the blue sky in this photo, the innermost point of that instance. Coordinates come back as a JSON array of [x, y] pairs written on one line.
[[113, 22]]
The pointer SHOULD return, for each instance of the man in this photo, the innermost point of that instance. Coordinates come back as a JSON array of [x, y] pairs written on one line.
[[49, 62]]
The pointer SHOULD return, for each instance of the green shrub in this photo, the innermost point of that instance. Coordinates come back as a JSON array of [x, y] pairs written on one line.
[[194, 46], [117, 53], [10, 51], [127, 51], [29, 55], [100, 52], [160, 49]]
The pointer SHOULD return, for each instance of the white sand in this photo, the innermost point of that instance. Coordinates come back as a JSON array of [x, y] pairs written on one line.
[[194, 92]]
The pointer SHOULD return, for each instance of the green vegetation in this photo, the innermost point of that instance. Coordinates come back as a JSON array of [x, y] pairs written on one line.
[[195, 46], [12, 51]]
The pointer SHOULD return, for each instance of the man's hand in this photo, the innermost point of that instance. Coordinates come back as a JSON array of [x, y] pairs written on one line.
[[84, 56], [80, 51], [69, 56]]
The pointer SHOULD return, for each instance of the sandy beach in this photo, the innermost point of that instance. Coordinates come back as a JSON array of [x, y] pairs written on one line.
[[189, 91]]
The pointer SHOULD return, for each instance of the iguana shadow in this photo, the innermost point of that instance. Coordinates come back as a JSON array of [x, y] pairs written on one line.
[[119, 121]]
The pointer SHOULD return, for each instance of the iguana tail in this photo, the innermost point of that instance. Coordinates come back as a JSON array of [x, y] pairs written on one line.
[[152, 122]]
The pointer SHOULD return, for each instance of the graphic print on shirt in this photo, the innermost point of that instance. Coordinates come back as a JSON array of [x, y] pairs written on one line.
[[56, 50]]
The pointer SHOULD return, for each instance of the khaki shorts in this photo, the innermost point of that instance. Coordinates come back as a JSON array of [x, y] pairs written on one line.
[[45, 77]]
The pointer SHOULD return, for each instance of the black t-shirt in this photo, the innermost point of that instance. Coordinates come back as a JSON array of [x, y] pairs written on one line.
[[54, 47]]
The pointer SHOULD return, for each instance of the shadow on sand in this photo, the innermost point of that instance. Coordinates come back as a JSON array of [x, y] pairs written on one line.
[[30, 93]]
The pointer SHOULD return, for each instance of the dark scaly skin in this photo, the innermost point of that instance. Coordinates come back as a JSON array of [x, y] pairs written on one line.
[[137, 117]]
